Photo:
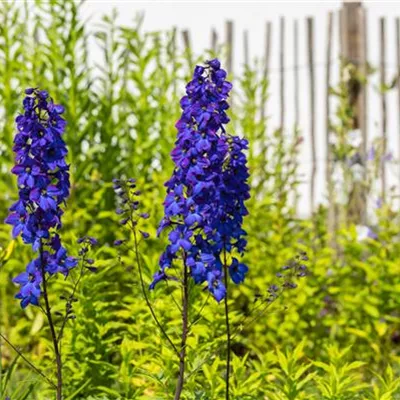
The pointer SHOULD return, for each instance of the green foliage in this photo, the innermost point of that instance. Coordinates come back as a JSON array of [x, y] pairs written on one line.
[[291, 376], [341, 379], [335, 337]]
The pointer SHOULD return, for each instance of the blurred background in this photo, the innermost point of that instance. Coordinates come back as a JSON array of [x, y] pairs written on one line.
[[316, 93], [277, 35]]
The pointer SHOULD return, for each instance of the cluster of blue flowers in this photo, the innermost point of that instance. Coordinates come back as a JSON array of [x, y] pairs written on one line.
[[204, 206], [43, 183]]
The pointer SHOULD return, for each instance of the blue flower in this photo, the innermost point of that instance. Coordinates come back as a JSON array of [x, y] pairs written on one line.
[[30, 285], [215, 285], [43, 182], [18, 222], [180, 239], [205, 197], [158, 276], [237, 271]]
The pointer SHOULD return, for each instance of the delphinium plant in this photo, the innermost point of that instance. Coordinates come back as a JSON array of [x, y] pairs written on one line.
[[203, 213], [204, 206], [43, 187]]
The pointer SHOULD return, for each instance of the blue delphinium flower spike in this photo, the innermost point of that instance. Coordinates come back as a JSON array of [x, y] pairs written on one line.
[[204, 206], [43, 186]]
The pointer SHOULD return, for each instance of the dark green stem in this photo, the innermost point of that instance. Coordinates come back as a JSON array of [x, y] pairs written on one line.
[[52, 327], [228, 331], [36, 369], [146, 297], [182, 354]]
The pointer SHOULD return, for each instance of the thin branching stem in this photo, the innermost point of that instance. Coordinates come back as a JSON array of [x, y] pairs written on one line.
[[260, 314], [146, 298], [36, 369], [243, 322], [74, 289], [185, 312], [174, 300], [199, 314], [52, 327], [228, 330], [237, 331]]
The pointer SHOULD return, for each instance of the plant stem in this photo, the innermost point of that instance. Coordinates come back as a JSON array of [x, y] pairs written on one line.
[[51, 325], [1, 362], [74, 289], [146, 298], [182, 354], [36, 369], [228, 331]]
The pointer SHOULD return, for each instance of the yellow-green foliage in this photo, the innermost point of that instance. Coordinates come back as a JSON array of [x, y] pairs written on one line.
[[335, 337]]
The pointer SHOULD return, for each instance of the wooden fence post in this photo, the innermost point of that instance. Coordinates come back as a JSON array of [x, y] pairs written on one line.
[[311, 70], [328, 167], [268, 35], [229, 44], [246, 47], [282, 72], [383, 102], [296, 76], [398, 72], [214, 40], [353, 52], [188, 47]]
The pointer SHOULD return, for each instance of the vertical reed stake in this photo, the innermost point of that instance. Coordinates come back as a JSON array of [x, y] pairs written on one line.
[[310, 47]]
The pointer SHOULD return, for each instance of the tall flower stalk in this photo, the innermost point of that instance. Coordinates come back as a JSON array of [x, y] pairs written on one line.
[[204, 206], [43, 187], [129, 210], [229, 220]]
